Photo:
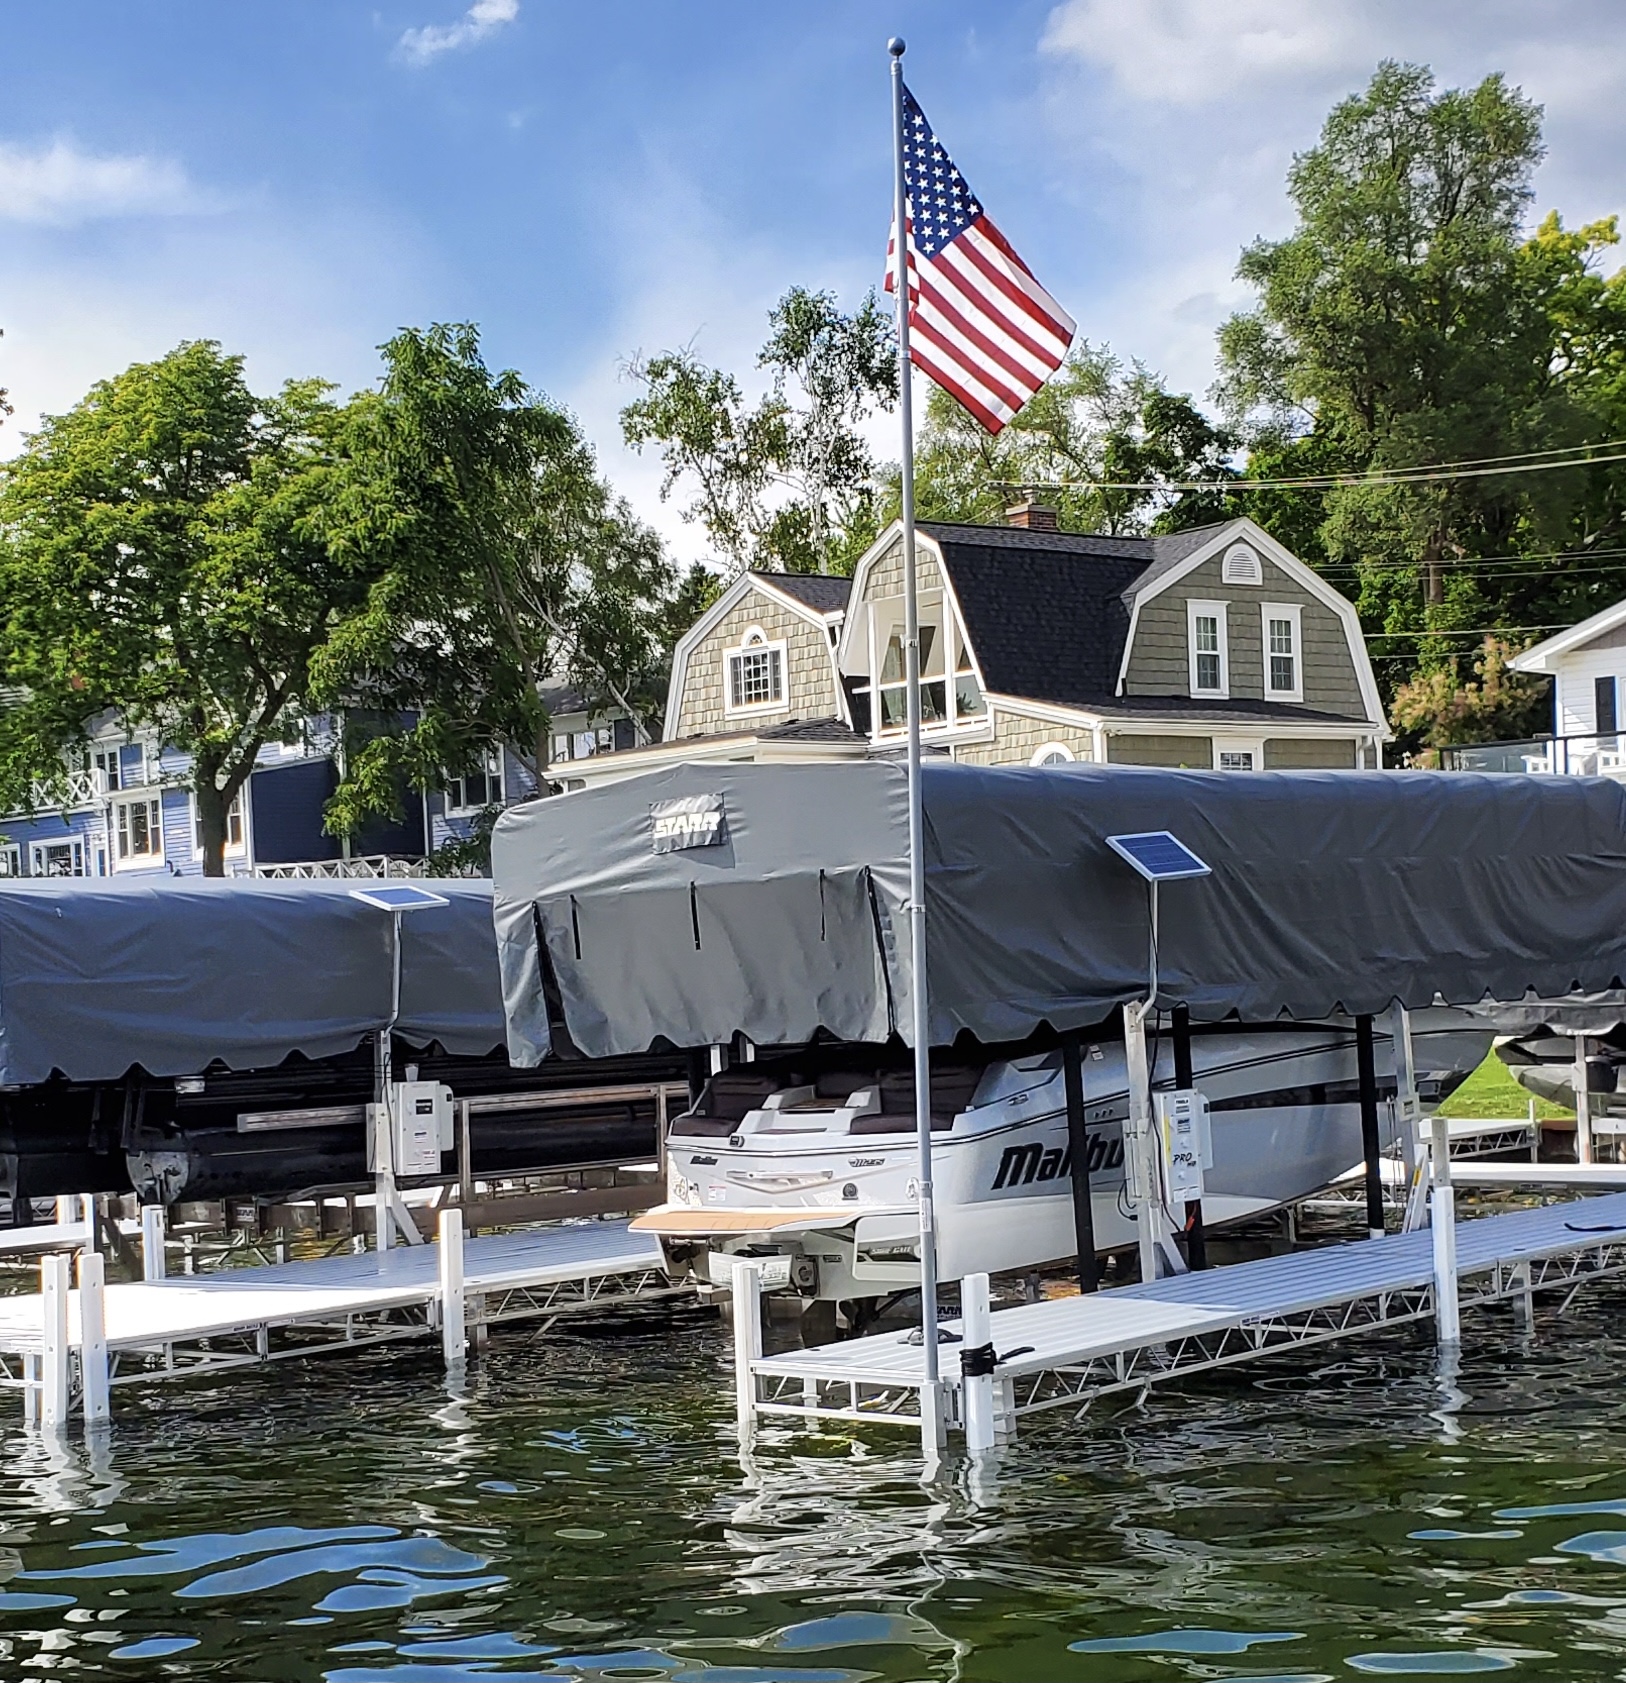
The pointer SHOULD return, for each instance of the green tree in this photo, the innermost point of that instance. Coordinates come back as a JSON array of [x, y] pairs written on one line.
[[1094, 421], [787, 482], [506, 563], [1407, 321], [162, 557]]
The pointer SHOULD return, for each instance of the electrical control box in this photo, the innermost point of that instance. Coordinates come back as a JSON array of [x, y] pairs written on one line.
[[1182, 1126], [421, 1114]]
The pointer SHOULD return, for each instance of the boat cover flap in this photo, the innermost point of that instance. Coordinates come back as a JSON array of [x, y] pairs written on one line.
[[98, 975], [772, 901]]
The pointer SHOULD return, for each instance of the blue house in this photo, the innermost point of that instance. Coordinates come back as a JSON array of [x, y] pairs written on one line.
[[128, 807]]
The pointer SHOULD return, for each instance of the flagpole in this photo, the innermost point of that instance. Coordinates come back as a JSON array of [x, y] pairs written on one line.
[[931, 1413]]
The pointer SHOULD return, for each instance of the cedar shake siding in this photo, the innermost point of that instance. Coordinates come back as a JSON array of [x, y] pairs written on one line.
[[810, 688], [1306, 753], [1017, 739], [1193, 753], [1159, 663]]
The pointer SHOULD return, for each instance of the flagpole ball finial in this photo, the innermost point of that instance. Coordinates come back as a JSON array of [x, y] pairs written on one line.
[[895, 46]]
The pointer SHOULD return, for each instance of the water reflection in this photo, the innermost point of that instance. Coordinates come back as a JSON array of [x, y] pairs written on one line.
[[580, 1510]]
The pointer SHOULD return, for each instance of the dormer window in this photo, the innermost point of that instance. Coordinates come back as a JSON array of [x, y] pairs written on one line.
[[1208, 649], [1241, 566], [1284, 675], [756, 674]]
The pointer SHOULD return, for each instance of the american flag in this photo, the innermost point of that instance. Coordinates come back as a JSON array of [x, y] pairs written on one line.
[[979, 323]]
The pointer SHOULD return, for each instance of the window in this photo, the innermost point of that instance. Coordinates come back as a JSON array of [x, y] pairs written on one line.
[[1241, 566], [107, 763], [1284, 677], [58, 859], [1238, 754], [11, 861], [1605, 715], [234, 825], [138, 833], [1052, 754], [941, 702], [476, 790], [756, 674], [1208, 641], [559, 749]]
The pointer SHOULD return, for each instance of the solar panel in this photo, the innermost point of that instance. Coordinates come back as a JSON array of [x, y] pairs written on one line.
[[398, 897], [1158, 856]]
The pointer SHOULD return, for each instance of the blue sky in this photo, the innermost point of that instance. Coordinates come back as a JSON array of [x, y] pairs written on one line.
[[297, 178]]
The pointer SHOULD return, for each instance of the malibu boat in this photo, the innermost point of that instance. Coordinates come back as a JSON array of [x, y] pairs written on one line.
[[821, 1168]]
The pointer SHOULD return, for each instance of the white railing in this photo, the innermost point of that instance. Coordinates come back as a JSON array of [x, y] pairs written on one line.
[[371, 865], [1546, 756], [74, 790], [340, 869]]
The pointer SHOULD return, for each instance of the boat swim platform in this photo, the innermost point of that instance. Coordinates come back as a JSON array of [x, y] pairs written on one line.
[[1065, 1352], [203, 1323]]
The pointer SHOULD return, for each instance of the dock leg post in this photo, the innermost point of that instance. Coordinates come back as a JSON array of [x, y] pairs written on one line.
[[1583, 1104], [1524, 1299], [1443, 1226], [31, 1389], [976, 1365], [453, 1341], [93, 1374], [54, 1345], [152, 1242], [747, 1343]]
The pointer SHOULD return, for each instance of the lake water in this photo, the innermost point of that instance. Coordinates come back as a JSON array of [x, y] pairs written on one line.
[[582, 1512]]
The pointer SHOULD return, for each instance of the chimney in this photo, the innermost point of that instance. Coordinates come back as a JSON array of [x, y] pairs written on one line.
[[1031, 516]]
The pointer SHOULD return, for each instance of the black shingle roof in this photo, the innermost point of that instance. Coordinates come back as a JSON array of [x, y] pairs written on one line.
[[1048, 612], [824, 593]]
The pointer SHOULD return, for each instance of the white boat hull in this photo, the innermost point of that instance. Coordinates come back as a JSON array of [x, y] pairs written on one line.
[[834, 1189]]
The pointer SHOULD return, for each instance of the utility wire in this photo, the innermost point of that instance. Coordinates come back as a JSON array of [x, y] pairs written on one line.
[[1523, 462]]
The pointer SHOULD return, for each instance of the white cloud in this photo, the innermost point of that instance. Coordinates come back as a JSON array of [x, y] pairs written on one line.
[[59, 184], [1193, 52], [420, 46], [1178, 119]]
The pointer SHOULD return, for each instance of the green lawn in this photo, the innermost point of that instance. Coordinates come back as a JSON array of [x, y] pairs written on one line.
[[1491, 1091]]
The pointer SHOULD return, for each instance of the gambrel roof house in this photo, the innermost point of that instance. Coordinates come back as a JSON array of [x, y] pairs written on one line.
[[1215, 648]]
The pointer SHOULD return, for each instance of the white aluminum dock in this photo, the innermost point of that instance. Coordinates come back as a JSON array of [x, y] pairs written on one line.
[[171, 1328], [1067, 1351]]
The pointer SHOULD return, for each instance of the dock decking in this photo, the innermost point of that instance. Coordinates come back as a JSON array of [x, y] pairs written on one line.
[[1068, 1351], [166, 1329]]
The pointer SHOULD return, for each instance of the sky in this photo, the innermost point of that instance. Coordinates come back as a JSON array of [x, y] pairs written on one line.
[[299, 178]]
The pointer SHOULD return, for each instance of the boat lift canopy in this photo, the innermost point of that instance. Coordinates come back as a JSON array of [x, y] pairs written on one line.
[[700, 901], [100, 974]]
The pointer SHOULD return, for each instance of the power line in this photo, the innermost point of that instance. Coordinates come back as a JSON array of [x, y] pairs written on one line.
[[1523, 462]]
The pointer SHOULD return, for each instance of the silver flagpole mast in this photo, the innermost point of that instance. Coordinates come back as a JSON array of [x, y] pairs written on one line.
[[931, 1413]]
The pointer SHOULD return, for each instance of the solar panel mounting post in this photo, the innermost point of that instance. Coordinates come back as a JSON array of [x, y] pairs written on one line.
[[931, 1409]]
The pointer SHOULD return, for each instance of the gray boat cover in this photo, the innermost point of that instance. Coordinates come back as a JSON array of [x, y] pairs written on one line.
[[98, 975], [771, 900]]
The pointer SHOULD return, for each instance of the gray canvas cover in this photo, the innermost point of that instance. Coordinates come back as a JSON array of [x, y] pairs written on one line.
[[99, 975], [1331, 892]]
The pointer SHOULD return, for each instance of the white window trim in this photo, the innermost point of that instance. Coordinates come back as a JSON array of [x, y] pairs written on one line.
[[1293, 612], [234, 850], [1213, 610], [756, 641], [1052, 751], [143, 793], [38, 849], [492, 765], [1254, 745]]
